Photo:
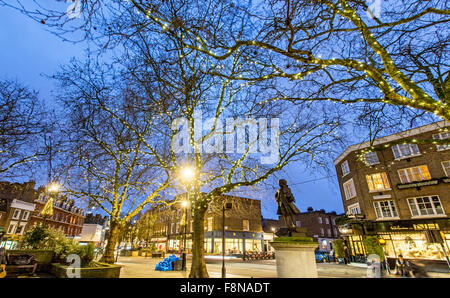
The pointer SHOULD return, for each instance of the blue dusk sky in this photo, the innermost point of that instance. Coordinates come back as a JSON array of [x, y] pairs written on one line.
[[28, 52]]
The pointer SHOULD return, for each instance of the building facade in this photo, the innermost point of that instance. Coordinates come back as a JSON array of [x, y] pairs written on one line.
[[398, 188], [320, 225], [243, 227]]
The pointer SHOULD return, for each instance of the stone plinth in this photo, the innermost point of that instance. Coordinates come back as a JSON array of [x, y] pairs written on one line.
[[295, 259]]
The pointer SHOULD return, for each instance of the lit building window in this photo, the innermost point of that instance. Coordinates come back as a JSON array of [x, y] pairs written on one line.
[[345, 168], [425, 206], [405, 150], [446, 167], [377, 182], [442, 136], [385, 209], [349, 189], [371, 158], [210, 224], [413, 174], [245, 225], [353, 209]]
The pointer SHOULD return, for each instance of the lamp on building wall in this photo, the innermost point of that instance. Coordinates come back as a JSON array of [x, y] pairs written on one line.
[[226, 206]]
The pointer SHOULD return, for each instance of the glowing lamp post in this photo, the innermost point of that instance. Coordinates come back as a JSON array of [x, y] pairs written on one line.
[[187, 174]]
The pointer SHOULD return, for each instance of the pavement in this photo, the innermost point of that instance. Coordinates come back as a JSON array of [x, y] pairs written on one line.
[[141, 267]]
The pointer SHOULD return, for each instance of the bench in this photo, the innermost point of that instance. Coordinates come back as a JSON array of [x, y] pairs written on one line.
[[20, 263]]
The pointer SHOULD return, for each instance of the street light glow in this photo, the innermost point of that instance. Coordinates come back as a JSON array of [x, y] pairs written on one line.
[[53, 187], [185, 203], [187, 173]]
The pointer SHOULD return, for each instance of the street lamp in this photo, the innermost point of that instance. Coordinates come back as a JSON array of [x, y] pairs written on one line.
[[185, 205], [53, 187], [226, 206]]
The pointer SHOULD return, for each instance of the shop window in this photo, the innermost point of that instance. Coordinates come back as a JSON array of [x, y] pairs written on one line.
[[377, 182], [446, 167], [425, 206], [371, 158], [405, 150], [385, 209], [349, 189], [245, 225], [413, 174], [345, 168], [442, 136]]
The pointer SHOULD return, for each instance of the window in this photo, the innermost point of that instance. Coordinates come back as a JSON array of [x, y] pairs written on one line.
[[377, 182], [319, 219], [245, 225], [349, 189], [353, 209], [172, 228], [177, 229], [327, 222], [25, 215], [345, 168], [322, 232], [298, 223], [329, 232], [446, 167], [425, 206], [419, 173], [12, 227], [405, 150], [385, 209], [371, 158], [210, 223], [16, 214], [442, 136]]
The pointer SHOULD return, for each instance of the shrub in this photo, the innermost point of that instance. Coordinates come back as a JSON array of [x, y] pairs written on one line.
[[339, 248], [373, 248]]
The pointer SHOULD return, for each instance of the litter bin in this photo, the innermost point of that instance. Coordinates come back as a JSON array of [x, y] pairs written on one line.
[[177, 265]]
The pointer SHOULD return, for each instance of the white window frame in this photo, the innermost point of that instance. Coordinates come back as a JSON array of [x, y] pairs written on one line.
[[245, 225], [392, 209], [327, 222], [410, 179], [26, 215], [442, 136], [12, 227], [319, 219], [371, 153], [23, 225], [416, 204], [411, 147], [345, 168], [349, 196], [353, 206], [447, 173], [386, 184], [17, 211]]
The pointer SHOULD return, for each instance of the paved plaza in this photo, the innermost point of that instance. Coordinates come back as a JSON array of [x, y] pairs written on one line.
[[141, 267]]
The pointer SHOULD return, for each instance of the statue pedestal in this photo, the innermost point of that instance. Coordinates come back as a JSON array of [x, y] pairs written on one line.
[[295, 259]]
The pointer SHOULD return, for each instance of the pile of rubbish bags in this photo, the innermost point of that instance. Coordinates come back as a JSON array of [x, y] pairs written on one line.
[[167, 264]]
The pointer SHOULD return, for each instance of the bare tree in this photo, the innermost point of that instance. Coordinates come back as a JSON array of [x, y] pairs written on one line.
[[21, 128]]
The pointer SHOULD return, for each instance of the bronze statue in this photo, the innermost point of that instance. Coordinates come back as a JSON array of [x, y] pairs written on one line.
[[286, 206]]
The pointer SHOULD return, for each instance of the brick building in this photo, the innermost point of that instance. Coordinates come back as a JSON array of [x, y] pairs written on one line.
[[398, 188], [320, 225], [243, 227], [20, 206], [66, 217], [16, 208]]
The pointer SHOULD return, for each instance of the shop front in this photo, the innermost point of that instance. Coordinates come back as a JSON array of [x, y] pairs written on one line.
[[236, 243], [409, 238]]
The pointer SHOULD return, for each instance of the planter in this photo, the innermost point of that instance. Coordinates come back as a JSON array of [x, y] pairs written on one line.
[[102, 271], [135, 253], [295, 259], [43, 257]]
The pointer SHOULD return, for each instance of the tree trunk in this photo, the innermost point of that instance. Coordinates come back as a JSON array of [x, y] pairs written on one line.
[[113, 237], [198, 268]]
